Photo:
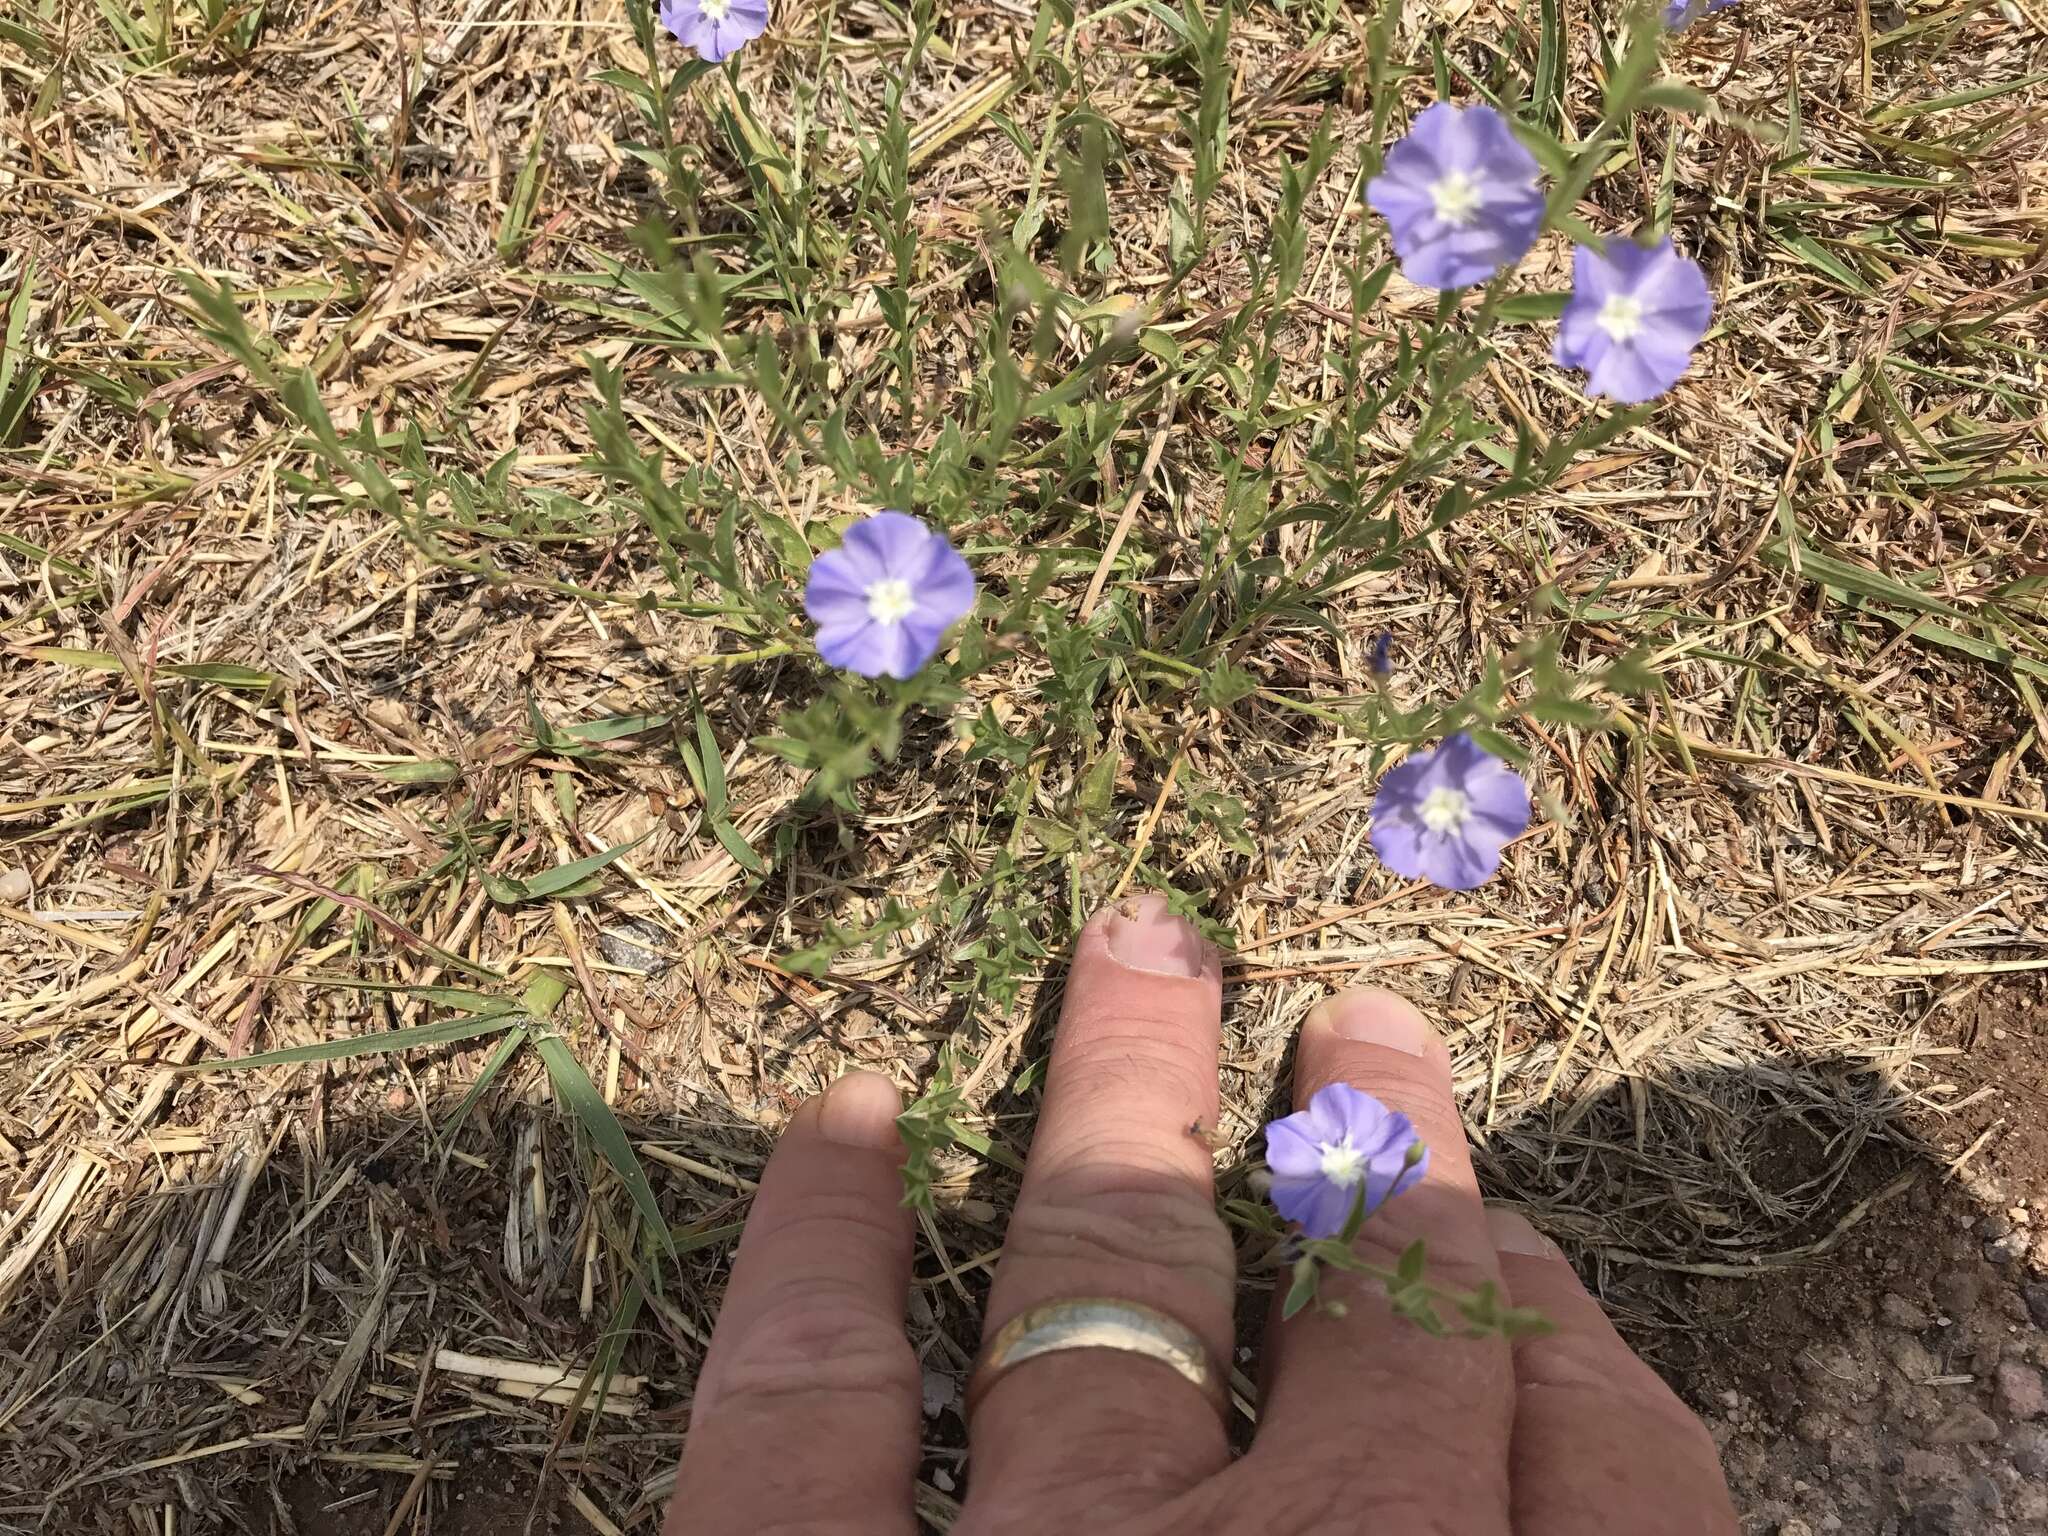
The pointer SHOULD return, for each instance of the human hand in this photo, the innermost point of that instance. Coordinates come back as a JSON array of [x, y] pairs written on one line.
[[807, 1412]]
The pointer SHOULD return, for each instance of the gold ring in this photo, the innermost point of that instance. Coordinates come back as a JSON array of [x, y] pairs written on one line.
[[1097, 1322]]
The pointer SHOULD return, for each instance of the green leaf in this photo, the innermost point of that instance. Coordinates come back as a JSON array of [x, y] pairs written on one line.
[[504, 1052], [1303, 1289], [447, 1032], [741, 851], [558, 881], [1413, 1259], [580, 1096]]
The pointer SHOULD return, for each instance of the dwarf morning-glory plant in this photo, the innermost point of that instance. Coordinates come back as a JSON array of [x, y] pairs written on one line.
[[884, 599], [716, 29], [1445, 815], [1634, 316], [1459, 196]]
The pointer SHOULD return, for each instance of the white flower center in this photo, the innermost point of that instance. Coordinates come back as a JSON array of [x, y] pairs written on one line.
[[1456, 197], [1343, 1164], [1621, 316], [714, 11], [889, 601], [1444, 809]]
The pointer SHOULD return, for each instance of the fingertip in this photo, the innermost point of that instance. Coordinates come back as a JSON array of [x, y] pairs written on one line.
[[860, 1110], [1514, 1233], [1141, 935], [1375, 1016]]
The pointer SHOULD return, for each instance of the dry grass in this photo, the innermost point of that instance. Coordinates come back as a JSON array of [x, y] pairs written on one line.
[[271, 710]]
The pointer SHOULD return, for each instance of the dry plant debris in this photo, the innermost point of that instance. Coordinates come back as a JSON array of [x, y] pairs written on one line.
[[276, 777]]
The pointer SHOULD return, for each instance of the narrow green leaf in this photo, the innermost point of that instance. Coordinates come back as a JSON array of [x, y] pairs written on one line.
[[447, 1032], [502, 1053], [556, 881], [580, 1096]]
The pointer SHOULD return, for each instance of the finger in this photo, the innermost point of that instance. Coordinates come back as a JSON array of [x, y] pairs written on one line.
[[806, 1411], [1598, 1438], [1117, 1202], [1418, 1425]]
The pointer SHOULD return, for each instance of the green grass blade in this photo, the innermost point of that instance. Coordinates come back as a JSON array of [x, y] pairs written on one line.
[[581, 1098], [447, 1032]]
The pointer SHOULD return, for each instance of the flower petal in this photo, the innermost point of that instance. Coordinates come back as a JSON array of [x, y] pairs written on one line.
[[891, 543], [1290, 1151]]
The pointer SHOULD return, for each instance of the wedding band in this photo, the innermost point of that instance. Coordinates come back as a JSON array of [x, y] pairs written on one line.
[[1097, 1322]]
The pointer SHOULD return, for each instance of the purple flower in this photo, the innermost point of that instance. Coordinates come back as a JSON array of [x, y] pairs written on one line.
[[1635, 314], [1460, 195], [886, 595], [1344, 1142], [1444, 815], [1683, 13], [715, 28]]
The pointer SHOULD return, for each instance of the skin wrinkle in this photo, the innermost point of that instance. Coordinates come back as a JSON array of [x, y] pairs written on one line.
[[1117, 1057], [1145, 1241]]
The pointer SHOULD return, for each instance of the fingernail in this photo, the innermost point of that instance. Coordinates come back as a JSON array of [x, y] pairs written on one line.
[[860, 1110], [1373, 1017], [1512, 1233], [1144, 935]]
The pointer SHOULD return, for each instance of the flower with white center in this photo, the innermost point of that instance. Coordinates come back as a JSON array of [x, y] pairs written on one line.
[[884, 599], [1444, 809], [1445, 815], [1634, 316], [1345, 1147], [1456, 196], [1459, 196], [715, 28]]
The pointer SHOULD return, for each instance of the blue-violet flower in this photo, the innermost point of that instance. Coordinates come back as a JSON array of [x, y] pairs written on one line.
[[715, 28], [1459, 195], [1635, 314], [1445, 815], [883, 600], [1344, 1145]]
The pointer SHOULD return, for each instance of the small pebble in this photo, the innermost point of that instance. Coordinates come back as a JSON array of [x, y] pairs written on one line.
[[2019, 1391], [1901, 1313], [15, 886], [2036, 1294]]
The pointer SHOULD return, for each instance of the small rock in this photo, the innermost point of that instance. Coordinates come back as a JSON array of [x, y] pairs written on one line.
[[1968, 1425], [1795, 1528], [1731, 1398], [1901, 1313], [1911, 1358], [2019, 1391], [1985, 1495], [1936, 1517], [1957, 1290], [2003, 1250], [1995, 1224], [15, 886], [2028, 1448], [2030, 1508], [941, 1392], [2036, 1293]]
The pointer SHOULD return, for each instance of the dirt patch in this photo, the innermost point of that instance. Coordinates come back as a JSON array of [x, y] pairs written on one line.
[[488, 1496], [1897, 1383]]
